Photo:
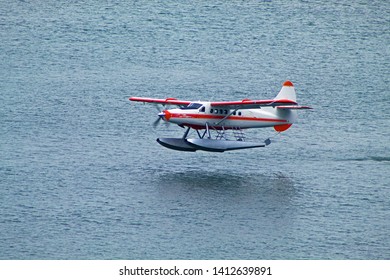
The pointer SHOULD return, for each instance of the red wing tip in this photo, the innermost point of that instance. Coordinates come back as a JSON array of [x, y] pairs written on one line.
[[288, 84]]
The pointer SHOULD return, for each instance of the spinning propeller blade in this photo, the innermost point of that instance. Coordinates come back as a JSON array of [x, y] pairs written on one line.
[[161, 115], [156, 122]]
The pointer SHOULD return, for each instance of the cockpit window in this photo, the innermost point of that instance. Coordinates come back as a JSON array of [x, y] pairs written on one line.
[[192, 106]]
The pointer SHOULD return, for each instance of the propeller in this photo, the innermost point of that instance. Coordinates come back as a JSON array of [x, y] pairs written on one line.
[[161, 114], [157, 122]]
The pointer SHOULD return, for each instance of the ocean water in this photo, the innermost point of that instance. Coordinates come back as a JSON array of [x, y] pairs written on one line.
[[82, 177]]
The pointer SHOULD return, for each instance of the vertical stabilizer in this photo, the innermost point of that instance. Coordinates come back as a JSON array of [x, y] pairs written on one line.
[[287, 92]]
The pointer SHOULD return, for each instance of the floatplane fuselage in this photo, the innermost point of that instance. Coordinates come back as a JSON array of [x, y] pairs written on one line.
[[279, 113]]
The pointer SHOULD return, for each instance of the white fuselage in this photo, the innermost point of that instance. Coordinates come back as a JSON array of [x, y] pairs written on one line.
[[202, 114]]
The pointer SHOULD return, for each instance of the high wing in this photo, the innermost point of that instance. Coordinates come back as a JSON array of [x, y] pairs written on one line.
[[170, 101], [253, 104], [243, 104], [234, 105]]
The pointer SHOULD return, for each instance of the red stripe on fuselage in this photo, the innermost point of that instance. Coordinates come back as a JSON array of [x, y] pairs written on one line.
[[216, 117]]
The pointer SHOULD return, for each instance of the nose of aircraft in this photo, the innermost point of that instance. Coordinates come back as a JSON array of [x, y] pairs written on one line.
[[166, 115]]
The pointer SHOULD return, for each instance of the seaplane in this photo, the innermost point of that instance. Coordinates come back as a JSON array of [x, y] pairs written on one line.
[[222, 116]]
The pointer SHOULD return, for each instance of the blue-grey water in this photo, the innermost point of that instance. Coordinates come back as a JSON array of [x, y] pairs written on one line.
[[82, 177]]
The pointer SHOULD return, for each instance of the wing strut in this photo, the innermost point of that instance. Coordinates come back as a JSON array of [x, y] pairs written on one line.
[[228, 115]]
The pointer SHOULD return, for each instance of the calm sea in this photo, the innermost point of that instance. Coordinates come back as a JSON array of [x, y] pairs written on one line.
[[82, 177]]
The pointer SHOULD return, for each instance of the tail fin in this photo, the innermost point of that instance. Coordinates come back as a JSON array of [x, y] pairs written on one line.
[[287, 92], [288, 112]]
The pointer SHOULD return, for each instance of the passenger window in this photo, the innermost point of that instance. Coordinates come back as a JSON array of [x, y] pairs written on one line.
[[225, 112], [239, 113], [221, 111], [211, 111]]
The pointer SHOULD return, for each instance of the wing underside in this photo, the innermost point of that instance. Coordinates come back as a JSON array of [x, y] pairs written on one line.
[[168, 101]]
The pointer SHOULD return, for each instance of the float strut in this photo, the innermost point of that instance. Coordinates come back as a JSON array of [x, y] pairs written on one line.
[[186, 133]]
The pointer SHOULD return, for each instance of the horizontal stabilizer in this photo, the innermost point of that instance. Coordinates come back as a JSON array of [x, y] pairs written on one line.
[[293, 107]]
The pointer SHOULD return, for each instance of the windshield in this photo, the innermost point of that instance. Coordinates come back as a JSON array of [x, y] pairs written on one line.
[[192, 106]]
